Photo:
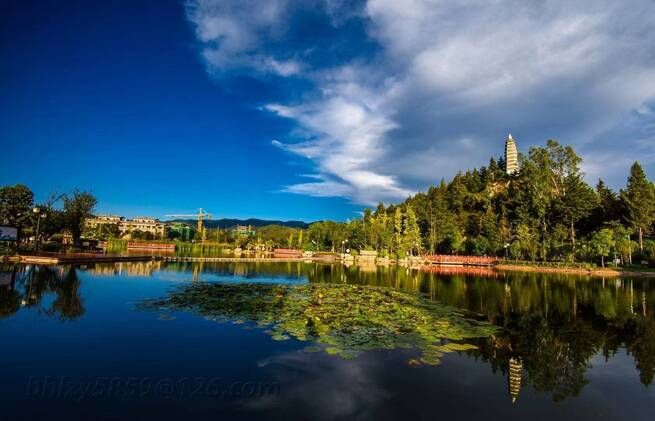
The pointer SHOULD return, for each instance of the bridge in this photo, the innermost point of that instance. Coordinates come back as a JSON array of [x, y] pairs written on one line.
[[448, 259]]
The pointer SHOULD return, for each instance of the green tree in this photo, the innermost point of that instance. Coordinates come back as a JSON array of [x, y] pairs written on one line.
[[52, 218], [398, 230], [622, 243], [77, 208], [576, 203], [639, 200], [526, 241], [411, 232], [16, 205], [602, 243], [609, 207]]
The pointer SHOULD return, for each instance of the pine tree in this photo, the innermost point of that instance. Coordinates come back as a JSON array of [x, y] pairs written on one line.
[[609, 207], [639, 201]]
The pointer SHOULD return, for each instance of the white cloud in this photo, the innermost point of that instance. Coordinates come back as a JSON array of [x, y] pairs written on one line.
[[448, 81]]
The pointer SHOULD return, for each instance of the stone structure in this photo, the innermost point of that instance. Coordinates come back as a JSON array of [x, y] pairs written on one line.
[[511, 156]]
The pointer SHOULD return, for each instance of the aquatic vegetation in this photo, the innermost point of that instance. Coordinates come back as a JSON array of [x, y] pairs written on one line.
[[343, 319]]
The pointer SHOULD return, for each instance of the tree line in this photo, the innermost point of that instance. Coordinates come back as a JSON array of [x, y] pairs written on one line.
[[545, 211], [58, 213]]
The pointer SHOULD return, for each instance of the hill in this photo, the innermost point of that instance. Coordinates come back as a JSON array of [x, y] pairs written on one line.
[[230, 223]]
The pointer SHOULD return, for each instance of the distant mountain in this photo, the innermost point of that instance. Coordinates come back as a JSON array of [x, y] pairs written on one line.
[[231, 223]]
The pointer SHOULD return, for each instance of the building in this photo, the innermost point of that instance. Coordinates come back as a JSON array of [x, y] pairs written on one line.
[[103, 220], [244, 230], [511, 156], [143, 224]]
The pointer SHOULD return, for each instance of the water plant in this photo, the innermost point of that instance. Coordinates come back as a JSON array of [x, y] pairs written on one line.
[[342, 319]]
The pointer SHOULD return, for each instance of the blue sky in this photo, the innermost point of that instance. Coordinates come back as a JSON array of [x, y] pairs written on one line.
[[312, 109]]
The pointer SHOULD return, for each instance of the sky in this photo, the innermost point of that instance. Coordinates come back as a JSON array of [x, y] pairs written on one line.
[[312, 109]]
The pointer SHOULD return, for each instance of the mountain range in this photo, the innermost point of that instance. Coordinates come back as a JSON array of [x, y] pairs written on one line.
[[231, 223]]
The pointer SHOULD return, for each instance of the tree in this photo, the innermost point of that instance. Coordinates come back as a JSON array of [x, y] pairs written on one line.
[[639, 200], [622, 243], [16, 205], [609, 207], [577, 202], [52, 218], [411, 232], [77, 208], [398, 230], [602, 243], [526, 241]]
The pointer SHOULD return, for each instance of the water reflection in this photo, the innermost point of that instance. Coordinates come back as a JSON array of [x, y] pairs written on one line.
[[554, 326], [32, 286]]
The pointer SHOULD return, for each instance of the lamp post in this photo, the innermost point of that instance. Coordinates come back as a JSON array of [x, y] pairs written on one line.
[[37, 211], [506, 246], [343, 245]]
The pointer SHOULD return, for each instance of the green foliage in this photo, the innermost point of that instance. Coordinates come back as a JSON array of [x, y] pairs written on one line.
[[344, 320], [16, 205], [602, 243], [77, 208], [411, 233], [639, 201], [141, 235], [105, 232]]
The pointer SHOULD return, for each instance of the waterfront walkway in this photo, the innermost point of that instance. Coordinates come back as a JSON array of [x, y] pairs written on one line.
[[44, 258]]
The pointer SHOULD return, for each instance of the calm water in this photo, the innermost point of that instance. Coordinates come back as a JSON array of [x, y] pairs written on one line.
[[153, 341]]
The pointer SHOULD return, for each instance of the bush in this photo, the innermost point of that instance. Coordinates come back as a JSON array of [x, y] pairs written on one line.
[[559, 265], [50, 247], [649, 251]]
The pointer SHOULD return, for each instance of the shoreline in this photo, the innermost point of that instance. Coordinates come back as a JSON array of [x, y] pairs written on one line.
[[45, 259], [599, 272]]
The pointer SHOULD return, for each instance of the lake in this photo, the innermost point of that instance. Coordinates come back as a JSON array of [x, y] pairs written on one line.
[[297, 340]]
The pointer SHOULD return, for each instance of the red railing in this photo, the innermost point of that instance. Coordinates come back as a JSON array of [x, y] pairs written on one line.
[[487, 271], [448, 259], [287, 253], [150, 246]]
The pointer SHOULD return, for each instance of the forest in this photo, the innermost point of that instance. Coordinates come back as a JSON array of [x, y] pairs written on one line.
[[544, 212]]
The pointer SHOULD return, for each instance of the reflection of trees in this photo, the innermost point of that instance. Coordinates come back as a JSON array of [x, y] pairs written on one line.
[[9, 297], [555, 323], [643, 349], [33, 283], [68, 304], [555, 360]]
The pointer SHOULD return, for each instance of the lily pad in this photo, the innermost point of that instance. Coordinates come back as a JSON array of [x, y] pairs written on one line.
[[345, 319]]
